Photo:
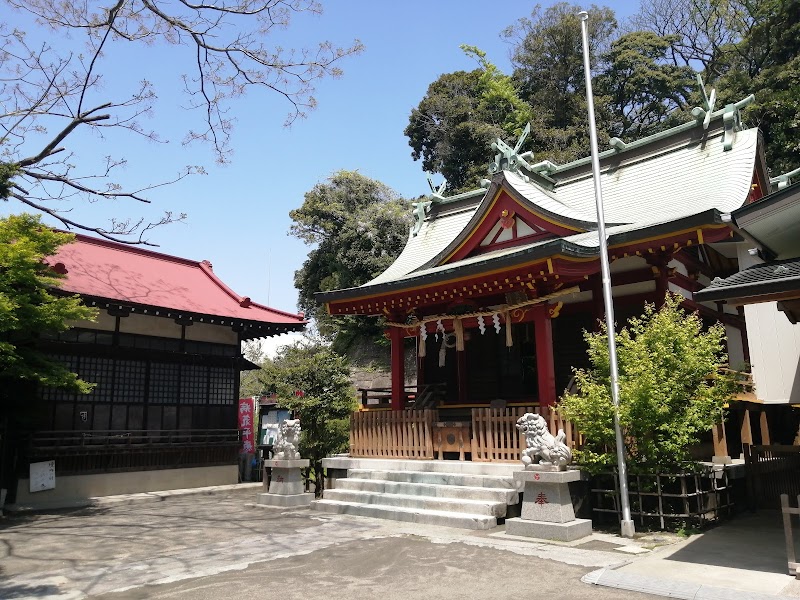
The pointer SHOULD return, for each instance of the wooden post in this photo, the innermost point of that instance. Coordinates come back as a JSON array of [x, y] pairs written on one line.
[[764, 425], [721, 454], [598, 307], [545, 364], [398, 368], [659, 264], [461, 374], [747, 432]]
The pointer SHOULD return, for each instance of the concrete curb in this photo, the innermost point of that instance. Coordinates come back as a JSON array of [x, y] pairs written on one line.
[[671, 588], [141, 498]]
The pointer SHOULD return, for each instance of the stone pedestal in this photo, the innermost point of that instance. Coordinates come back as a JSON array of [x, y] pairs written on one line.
[[547, 511], [286, 487]]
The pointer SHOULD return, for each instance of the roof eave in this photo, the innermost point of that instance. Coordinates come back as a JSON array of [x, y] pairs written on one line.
[[539, 252], [161, 311]]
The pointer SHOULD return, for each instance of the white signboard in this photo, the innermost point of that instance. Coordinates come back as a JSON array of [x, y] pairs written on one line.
[[43, 476]]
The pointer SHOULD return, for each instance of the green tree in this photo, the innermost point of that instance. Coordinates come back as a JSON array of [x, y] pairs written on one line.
[[358, 227], [327, 399], [639, 87], [450, 132], [453, 126], [668, 394], [767, 63], [30, 306], [548, 69], [740, 47], [52, 89]]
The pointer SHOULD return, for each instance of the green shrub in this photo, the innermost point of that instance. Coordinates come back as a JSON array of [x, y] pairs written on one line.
[[670, 393]]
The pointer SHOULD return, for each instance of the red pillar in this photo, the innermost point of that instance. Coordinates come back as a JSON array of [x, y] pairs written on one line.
[[545, 365], [398, 368]]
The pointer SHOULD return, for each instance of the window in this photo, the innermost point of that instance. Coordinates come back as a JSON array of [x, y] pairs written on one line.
[[222, 385], [129, 381], [99, 371], [194, 384], [163, 383]]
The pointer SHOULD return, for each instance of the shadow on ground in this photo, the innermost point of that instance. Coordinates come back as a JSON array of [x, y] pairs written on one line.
[[753, 541]]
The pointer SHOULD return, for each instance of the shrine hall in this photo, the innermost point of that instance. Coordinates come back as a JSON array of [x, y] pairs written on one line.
[[496, 286]]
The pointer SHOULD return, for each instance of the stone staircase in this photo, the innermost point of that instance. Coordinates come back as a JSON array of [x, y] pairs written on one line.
[[459, 494]]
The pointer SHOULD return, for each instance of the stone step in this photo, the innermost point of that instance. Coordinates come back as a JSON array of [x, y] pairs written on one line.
[[454, 479], [506, 496], [409, 515], [431, 466], [426, 503]]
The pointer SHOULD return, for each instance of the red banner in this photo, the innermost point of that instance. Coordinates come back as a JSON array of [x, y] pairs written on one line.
[[247, 424]]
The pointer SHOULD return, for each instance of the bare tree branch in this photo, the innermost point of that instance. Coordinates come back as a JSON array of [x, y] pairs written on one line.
[[45, 87]]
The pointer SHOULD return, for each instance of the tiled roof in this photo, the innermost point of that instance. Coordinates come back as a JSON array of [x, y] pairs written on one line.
[[131, 275], [434, 237], [680, 174], [766, 278], [670, 183]]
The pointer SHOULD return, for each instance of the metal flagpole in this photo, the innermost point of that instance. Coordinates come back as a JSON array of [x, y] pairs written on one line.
[[627, 522]]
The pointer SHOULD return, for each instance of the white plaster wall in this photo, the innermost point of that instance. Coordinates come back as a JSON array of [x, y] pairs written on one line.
[[150, 325], [735, 347], [628, 263], [774, 347], [630, 289], [105, 322], [72, 490], [206, 332]]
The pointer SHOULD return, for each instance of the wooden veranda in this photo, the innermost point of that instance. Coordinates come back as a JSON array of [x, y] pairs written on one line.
[[490, 434]]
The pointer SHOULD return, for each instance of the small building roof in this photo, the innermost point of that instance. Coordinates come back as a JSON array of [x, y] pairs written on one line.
[[771, 222], [107, 272], [764, 280]]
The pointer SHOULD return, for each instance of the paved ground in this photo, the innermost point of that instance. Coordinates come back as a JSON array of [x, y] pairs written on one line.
[[222, 546]]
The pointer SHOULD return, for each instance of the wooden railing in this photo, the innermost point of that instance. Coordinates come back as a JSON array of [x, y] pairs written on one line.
[[575, 439], [495, 437], [395, 434], [413, 396], [745, 387], [81, 452]]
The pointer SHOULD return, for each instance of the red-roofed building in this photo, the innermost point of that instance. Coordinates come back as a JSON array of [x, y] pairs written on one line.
[[165, 355]]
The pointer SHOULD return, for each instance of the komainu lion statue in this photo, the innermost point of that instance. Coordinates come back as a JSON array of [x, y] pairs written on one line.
[[288, 443], [553, 453]]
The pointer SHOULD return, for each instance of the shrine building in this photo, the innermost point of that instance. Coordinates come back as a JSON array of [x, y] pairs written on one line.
[[165, 355], [496, 286]]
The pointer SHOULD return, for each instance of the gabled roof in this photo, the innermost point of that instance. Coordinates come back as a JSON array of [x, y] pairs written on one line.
[[579, 246], [132, 276], [659, 180]]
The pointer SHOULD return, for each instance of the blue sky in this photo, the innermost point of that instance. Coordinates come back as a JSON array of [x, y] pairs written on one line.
[[238, 214]]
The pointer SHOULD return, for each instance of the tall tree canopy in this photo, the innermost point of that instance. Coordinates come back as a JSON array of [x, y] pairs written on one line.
[[358, 227], [639, 87], [52, 87], [449, 131], [29, 308], [740, 47], [548, 66], [644, 82]]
